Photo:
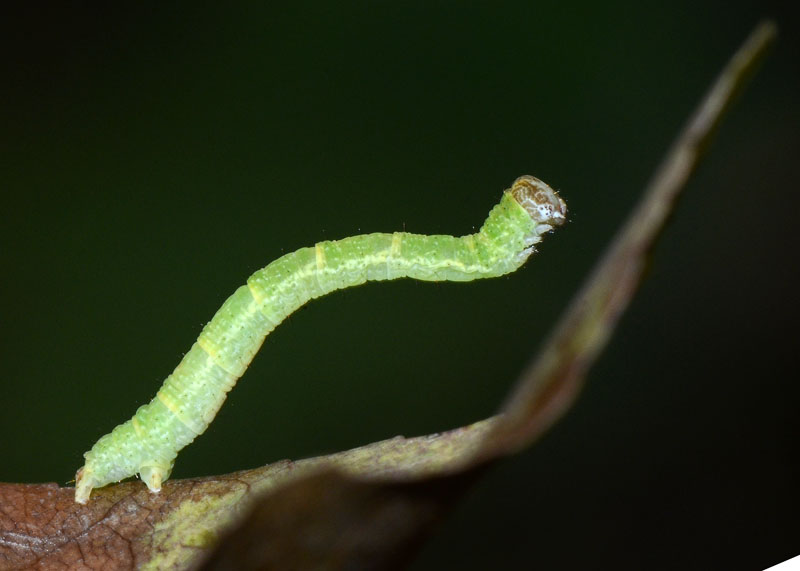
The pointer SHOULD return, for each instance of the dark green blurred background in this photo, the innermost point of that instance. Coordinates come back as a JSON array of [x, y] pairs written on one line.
[[152, 158]]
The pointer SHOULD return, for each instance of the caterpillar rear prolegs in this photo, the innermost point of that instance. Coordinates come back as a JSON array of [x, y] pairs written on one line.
[[190, 397]]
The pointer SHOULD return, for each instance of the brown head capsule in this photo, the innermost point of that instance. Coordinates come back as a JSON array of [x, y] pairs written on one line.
[[541, 202]]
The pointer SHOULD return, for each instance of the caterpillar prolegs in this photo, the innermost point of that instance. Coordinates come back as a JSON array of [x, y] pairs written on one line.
[[190, 397]]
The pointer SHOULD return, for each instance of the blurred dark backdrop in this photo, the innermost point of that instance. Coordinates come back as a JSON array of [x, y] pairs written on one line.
[[152, 158]]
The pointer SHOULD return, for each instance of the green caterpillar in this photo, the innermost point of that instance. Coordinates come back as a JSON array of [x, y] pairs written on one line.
[[190, 397]]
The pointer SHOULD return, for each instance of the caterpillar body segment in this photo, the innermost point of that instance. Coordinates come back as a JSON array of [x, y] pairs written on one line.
[[190, 397]]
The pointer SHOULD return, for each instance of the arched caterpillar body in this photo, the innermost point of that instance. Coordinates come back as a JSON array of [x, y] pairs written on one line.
[[190, 397]]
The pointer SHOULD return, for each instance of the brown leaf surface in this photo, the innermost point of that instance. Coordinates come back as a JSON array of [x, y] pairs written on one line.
[[124, 526], [331, 521], [366, 508]]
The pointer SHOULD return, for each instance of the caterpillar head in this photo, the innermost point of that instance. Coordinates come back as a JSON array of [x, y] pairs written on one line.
[[541, 202]]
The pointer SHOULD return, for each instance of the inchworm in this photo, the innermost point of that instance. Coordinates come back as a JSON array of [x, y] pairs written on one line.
[[190, 397]]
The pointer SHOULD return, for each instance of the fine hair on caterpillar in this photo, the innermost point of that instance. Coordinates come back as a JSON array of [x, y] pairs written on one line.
[[190, 397]]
